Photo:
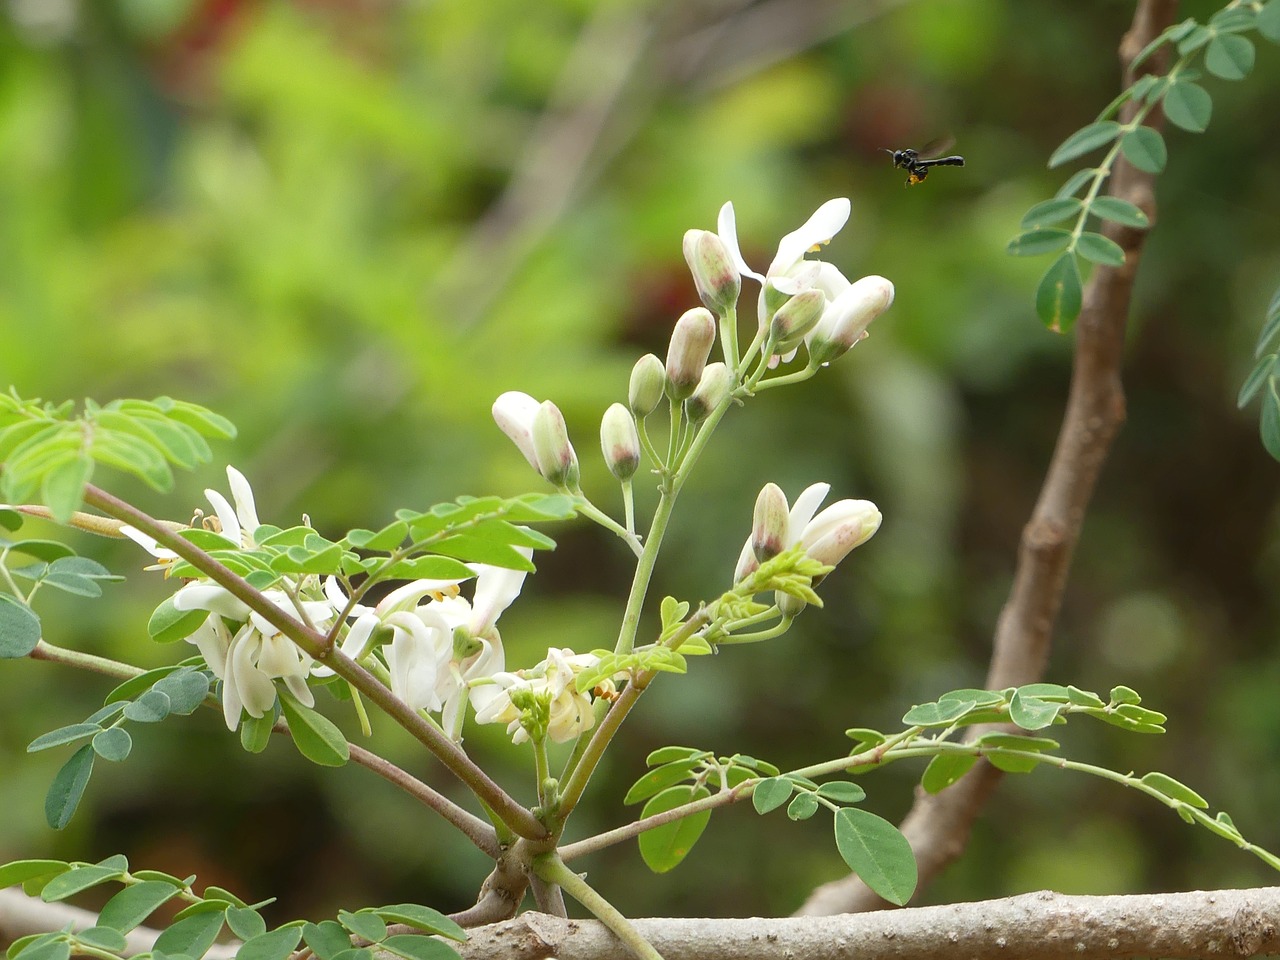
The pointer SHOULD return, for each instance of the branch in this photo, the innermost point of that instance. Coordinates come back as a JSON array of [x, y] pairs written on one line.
[[938, 826], [1045, 925]]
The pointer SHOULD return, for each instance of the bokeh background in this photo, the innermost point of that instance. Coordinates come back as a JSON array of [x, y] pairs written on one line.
[[349, 224]]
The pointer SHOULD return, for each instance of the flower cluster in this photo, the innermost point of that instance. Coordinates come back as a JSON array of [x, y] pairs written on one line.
[[544, 700], [431, 643]]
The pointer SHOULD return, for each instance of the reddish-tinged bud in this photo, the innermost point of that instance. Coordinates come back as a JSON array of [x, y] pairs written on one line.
[[716, 382], [648, 381], [556, 458], [714, 271], [620, 442], [687, 354]]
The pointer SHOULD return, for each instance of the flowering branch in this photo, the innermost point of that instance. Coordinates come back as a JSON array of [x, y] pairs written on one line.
[[449, 753]]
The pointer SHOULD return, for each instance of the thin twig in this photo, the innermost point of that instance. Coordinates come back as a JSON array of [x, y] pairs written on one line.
[[938, 825]]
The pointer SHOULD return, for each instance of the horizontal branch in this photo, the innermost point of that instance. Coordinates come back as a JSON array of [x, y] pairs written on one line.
[[1045, 925]]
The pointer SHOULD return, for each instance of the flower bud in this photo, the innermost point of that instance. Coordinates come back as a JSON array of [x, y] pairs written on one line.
[[796, 317], [714, 271], [716, 382], [788, 604], [691, 342], [556, 459], [648, 380], [847, 317], [770, 523], [514, 412], [620, 442], [830, 535]]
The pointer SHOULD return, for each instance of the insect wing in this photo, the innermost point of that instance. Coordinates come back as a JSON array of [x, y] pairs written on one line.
[[937, 147]]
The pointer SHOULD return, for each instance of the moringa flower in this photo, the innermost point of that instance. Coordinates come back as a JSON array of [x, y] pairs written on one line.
[[827, 537]]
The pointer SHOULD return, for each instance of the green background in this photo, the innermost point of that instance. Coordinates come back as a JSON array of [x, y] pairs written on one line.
[[303, 216]]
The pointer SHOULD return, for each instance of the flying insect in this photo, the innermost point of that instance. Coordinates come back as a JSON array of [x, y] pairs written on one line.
[[918, 162]]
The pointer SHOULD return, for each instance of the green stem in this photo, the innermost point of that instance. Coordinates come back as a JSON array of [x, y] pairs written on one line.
[[647, 446], [541, 769], [85, 661], [796, 376], [729, 335], [594, 513], [449, 753], [629, 507], [553, 870], [777, 630]]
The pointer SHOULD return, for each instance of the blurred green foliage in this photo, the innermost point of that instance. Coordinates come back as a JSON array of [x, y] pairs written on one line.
[[349, 226]]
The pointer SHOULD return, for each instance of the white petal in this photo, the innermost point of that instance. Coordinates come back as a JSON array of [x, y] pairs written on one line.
[[147, 543], [227, 518], [414, 660], [747, 562], [214, 643], [301, 692], [824, 224], [514, 412], [496, 589], [727, 228], [806, 506], [403, 598], [838, 529], [251, 686], [210, 596], [242, 494]]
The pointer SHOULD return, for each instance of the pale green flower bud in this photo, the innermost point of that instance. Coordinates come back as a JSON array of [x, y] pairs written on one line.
[[847, 317], [770, 523], [557, 461], [788, 605], [714, 271], [687, 354], [713, 387], [620, 442], [796, 317], [648, 381]]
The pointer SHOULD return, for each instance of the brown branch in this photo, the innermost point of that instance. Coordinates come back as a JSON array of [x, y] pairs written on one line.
[[1045, 925], [938, 826]]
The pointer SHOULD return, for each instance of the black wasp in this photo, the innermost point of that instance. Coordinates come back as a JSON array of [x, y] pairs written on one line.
[[918, 162]]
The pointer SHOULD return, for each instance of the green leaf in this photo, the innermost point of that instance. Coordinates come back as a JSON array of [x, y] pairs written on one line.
[[273, 945], [980, 698], [388, 538], [865, 738], [1099, 249], [422, 918], [245, 922], [1051, 211], [255, 732], [1229, 56], [191, 936], [875, 850], [1174, 790], [1084, 698], [658, 779], [1189, 106], [1268, 22], [1060, 294], [46, 950], [1194, 39], [68, 734], [77, 880], [415, 947], [1123, 694], [939, 714], [1119, 211], [63, 487], [803, 806], [67, 788], [1075, 182], [1262, 370], [10, 520], [113, 744], [1272, 325], [168, 624], [1137, 714], [1032, 713], [20, 871], [662, 848], [945, 769], [842, 791], [316, 736], [185, 689], [135, 686], [326, 939], [104, 938], [1145, 149], [1085, 140], [668, 754], [19, 628], [135, 903], [478, 550], [1038, 241], [370, 926], [46, 550], [151, 707], [212, 892], [1269, 425], [770, 794]]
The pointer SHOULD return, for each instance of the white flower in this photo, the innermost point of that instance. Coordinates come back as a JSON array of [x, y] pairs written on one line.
[[248, 663], [850, 307], [827, 537], [514, 412], [237, 523], [552, 683]]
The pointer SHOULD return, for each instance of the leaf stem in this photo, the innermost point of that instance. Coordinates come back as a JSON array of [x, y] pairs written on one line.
[[553, 870]]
